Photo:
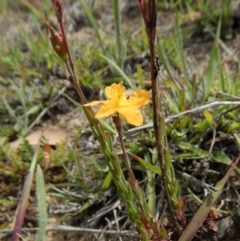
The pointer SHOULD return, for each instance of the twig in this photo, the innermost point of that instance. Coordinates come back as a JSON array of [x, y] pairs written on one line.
[[82, 195], [104, 211], [213, 139], [75, 229], [197, 182], [185, 113]]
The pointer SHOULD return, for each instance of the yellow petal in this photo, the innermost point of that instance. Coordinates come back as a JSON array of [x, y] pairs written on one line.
[[115, 92], [105, 110], [139, 98], [131, 114], [95, 103]]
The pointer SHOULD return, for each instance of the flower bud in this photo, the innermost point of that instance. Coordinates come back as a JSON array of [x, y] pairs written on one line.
[[57, 42]]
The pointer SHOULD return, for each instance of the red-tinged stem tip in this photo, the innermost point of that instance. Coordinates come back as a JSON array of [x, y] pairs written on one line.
[[57, 4], [149, 12]]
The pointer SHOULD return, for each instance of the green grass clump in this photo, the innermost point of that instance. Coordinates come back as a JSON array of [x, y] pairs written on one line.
[[190, 112]]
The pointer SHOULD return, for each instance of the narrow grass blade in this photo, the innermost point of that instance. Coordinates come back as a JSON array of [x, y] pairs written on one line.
[[147, 165], [22, 207], [22, 98], [42, 205], [164, 58], [140, 76], [24, 199], [179, 45], [222, 78], [8, 107], [212, 64], [93, 22], [36, 11], [116, 67], [117, 22]]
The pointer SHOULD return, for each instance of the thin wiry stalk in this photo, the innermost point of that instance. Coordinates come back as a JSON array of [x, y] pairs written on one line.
[[118, 125], [59, 13], [170, 185], [156, 98]]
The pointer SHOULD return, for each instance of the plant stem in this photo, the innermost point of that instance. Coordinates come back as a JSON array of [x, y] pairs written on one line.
[[158, 117], [118, 125], [74, 78]]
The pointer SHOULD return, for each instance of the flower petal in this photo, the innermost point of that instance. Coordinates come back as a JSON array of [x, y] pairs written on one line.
[[106, 110], [139, 98], [118, 102], [95, 102], [115, 92], [131, 114]]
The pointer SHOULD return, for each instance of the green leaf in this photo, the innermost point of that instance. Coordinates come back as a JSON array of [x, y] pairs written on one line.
[[212, 64], [208, 116], [34, 109], [87, 204], [119, 70], [93, 22], [107, 182], [146, 164], [42, 205]]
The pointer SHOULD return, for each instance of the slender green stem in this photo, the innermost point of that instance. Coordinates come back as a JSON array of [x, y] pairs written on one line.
[[118, 125]]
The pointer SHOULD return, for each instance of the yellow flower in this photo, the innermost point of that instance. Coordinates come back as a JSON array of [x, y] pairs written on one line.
[[128, 108]]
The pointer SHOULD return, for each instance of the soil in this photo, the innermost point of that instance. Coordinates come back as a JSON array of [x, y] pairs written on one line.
[[68, 118]]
